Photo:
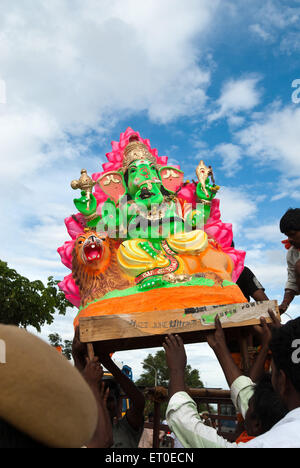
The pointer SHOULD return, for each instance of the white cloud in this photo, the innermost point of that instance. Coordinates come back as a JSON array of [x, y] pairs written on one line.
[[290, 44], [265, 233], [259, 31], [237, 207], [84, 61], [71, 70], [272, 22], [271, 274], [268, 263], [273, 140], [237, 96], [231, 155]]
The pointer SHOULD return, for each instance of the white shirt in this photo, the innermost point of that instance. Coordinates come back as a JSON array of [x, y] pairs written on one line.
[[292, 256], [184, 420], [285, 434]]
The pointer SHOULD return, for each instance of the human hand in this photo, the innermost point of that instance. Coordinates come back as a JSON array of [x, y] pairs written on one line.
[[216, 338], [176, 362], [87, 205], [264, 330], [275, 320], [93, 372], [175, 353]]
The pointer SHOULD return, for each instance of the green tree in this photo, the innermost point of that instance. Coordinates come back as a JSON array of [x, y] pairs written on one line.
[[159, 363], [24, 302], [155, 366], [66, 345]]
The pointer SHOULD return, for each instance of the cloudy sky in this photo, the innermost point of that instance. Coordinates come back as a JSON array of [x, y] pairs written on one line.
[[202, 79]]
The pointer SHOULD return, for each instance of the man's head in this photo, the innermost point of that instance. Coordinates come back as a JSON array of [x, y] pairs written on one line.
[[265, 408], [285, 348], [290, 226]]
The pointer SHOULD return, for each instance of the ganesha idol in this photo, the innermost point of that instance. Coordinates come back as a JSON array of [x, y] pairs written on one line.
[[144, 239]]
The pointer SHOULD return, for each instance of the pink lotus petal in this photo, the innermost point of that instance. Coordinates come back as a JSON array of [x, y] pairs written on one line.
[[238, 258], [75, 225], [70, 289], [65, 252], [162, 160], [115, 145], [108, 166], [215, 213], [96, 176], [110, 157], [188, 193]]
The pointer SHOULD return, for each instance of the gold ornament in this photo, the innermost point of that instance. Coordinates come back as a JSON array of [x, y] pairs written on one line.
[[203, 172], [85, 183], [136, 151]]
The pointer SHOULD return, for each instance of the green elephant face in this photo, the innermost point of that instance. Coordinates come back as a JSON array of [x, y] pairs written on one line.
[[144, 185]]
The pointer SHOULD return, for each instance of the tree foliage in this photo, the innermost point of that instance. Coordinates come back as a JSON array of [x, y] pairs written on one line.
[[24, 302], [158, 362], [66, 345], [147, 378]]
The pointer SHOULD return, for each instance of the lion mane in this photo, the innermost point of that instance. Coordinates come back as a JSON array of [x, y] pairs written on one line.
[[95, 283]]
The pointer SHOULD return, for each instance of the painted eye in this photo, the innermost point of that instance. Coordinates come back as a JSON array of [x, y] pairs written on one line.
[[80, 242]]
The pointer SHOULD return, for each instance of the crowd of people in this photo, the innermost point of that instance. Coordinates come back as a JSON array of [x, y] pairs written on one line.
[[47, 402]]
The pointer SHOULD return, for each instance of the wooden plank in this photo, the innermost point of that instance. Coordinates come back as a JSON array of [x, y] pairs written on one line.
[[90, 349], [148, 329]]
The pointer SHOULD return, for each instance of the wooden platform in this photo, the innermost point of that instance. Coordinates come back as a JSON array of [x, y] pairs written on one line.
[[148, 329]]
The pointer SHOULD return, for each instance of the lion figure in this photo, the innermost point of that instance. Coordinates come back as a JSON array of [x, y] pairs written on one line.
[[95, 268]]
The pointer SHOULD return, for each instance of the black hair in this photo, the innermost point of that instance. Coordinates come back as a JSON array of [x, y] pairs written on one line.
[[268, 408], [290, 221], [282, 349], [10, 437]]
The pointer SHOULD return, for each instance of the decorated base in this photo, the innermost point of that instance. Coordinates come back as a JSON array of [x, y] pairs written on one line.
[[148, 329], [198, 292]]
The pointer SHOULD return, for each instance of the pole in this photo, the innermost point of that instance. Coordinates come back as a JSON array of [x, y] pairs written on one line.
[[155, 375]]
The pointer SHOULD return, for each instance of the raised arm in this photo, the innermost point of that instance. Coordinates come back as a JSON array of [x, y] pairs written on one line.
[[93, 373], [176, 362], [182, 414], [289, 295], [216, 340], [265, 335], [135, 414]]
